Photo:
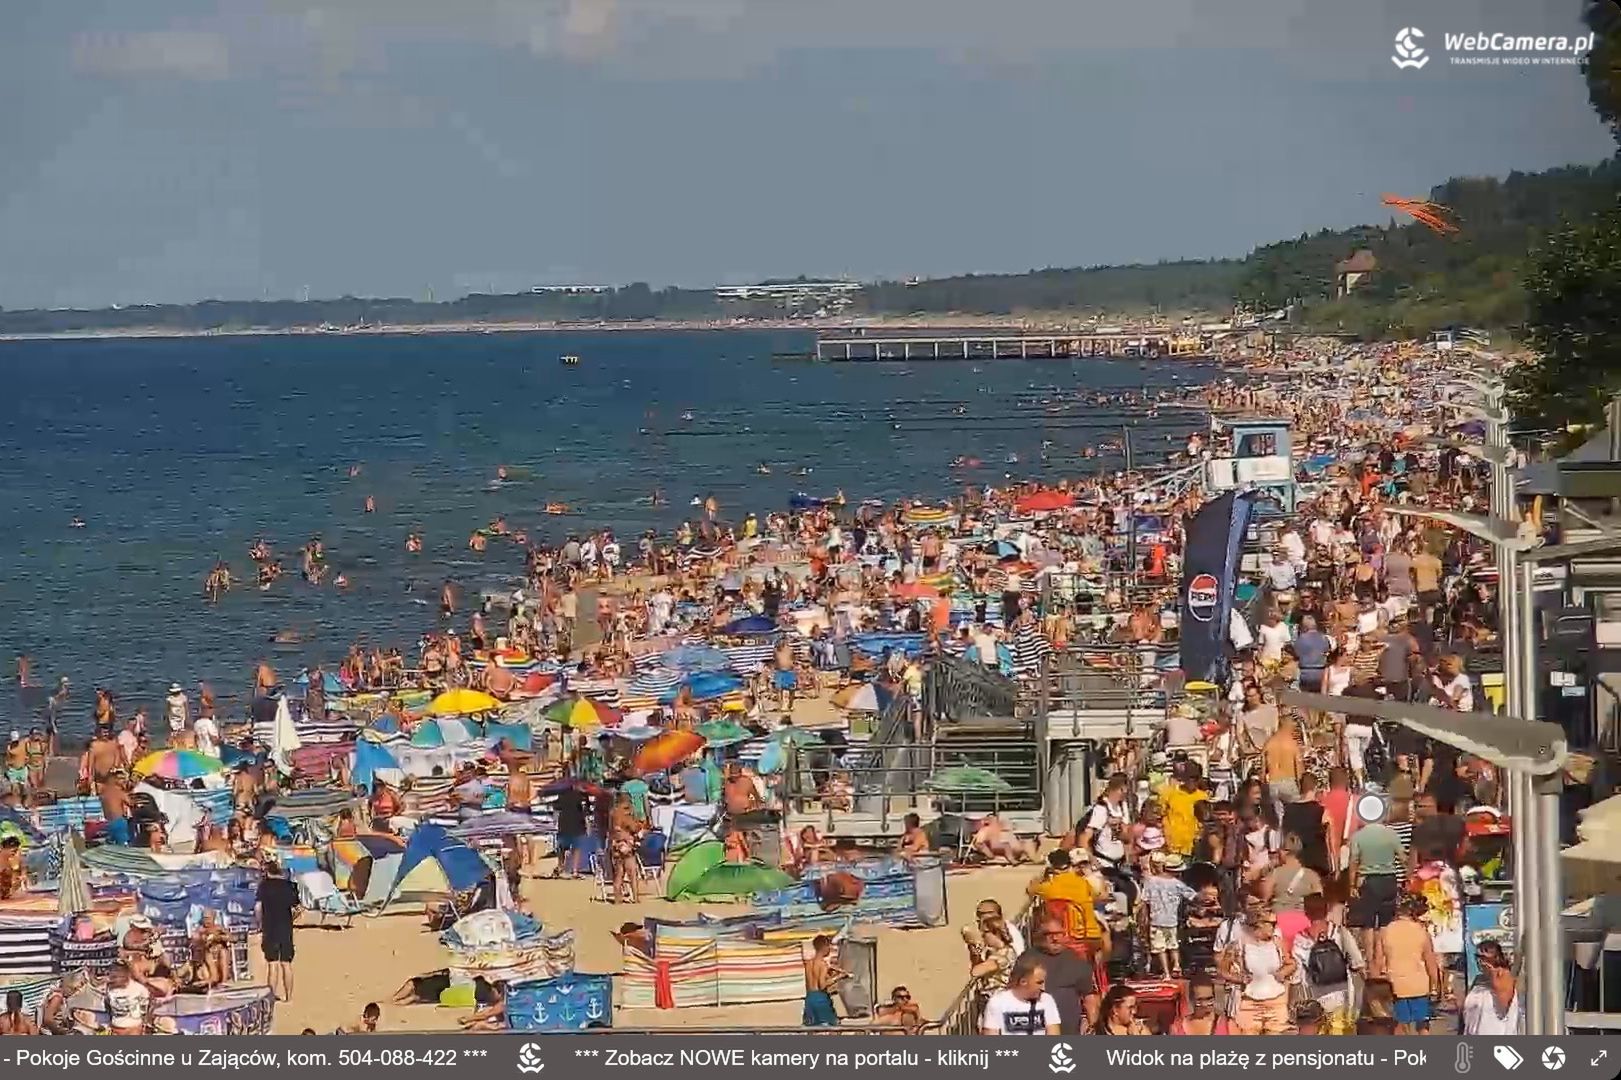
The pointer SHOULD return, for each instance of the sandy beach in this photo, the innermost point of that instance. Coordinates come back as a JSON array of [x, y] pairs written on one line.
[[338, 971]]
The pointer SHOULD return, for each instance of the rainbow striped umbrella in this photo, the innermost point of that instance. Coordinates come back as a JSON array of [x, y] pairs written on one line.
[[582, 713], [177, 765]]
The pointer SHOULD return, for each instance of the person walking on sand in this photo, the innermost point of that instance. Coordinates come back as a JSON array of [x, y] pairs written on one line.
[[821, 976]]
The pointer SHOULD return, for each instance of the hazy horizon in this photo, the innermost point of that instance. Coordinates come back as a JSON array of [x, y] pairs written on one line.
[[188, 150]]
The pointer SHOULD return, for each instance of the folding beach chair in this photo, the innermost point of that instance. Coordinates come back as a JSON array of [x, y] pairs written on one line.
[[599, 874], [317, 892]]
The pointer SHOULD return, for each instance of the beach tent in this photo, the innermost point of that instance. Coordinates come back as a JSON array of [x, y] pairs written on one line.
[[436, 862]]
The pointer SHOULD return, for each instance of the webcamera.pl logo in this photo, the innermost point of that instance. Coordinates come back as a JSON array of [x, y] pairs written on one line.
[[1491, 50], [1409, 53]]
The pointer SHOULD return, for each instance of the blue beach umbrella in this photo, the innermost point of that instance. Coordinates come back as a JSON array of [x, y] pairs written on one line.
[[750, 626], [704, 686]]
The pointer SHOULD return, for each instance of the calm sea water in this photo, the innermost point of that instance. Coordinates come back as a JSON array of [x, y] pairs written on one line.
[[177, 453]]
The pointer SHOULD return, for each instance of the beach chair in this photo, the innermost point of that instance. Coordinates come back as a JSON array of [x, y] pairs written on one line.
[[600, 875], [317, 892]]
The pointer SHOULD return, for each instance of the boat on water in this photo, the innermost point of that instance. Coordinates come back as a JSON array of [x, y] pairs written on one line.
[[570, 360]]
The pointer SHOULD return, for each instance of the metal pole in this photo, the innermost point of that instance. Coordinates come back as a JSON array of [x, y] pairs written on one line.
[[1549, 986], [1131, 508], [1530, 902]]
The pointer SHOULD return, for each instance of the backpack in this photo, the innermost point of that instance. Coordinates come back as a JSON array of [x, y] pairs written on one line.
[[1327, 964]]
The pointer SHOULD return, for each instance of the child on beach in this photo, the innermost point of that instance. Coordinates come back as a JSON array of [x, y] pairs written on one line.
[[1161, 905]]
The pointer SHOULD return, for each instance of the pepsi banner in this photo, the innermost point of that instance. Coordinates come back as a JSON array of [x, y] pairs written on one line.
[[1215, 540]]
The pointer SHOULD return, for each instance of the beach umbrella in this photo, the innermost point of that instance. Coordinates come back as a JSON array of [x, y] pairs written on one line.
[[967, 778], [537, 682], [582, 714], [1001, 549], [697, 861], [1038, 502], [462, 702], [695, 658], [637, 733], [177, 765], [703, 686], [665, 752], [773, 759], [427, 736], [739, 879], [73, 891], [750, 626], [861, 697], [724, 732]]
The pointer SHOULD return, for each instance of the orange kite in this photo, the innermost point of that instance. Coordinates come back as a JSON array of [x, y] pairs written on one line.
[[1432, 215]]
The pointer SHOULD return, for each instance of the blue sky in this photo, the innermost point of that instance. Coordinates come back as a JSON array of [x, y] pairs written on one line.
[[170, 150]]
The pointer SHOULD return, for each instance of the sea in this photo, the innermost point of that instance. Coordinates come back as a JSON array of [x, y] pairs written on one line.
[[174, 453]]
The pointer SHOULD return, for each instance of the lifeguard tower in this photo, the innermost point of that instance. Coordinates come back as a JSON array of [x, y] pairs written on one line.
[[1260, 462]]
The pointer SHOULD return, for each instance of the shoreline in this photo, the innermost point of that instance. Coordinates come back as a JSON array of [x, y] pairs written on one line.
[[1053, 324]]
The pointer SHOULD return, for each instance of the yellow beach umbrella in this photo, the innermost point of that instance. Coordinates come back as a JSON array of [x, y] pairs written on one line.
[[462, 702]]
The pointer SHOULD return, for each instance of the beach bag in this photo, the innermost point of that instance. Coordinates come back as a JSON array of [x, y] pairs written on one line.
[[1327, 964]]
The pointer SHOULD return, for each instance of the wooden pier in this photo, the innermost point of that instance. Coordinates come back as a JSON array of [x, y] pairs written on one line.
[[1144, 344]]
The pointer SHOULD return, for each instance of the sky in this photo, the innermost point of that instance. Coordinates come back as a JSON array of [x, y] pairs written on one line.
[[174, 150]]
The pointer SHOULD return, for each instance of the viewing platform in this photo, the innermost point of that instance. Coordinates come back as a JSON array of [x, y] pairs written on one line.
[[1003, 346]]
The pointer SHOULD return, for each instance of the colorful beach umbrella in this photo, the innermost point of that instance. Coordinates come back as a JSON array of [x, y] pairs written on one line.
[[177, 765], [724, 732], [916, 590], [462, 702], [1038, 502], [537, 682], [739, 879], [690, 869], [664, 752], [582, 714]]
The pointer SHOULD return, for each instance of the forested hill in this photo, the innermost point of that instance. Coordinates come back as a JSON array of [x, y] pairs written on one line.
[[1423, 281]]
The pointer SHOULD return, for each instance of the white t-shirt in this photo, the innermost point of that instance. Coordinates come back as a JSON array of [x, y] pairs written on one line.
[[1480, 1014], [1461, 690], [1273, 639], [207, 736], [1105, 820], [128, 1006], [1008, 1014]]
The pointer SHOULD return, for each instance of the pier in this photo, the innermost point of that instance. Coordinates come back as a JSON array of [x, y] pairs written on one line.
[[1123, 343]]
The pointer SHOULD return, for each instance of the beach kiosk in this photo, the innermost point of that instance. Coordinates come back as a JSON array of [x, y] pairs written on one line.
[[1260, 462]]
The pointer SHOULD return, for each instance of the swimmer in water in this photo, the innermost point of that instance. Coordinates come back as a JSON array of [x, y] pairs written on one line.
[[354, 471], [476, 542], [413, 544], [341, 581], [76, 523], [371, 505], [500, 472]]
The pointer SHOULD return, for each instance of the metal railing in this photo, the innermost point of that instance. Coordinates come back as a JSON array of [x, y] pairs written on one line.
[[891, 779]]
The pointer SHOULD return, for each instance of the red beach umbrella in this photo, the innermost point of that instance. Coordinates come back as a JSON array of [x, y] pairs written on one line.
[[662, 752]]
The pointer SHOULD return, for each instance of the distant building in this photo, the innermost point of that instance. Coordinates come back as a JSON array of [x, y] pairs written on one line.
[[572, 290], [1349, 272], [795, 297]]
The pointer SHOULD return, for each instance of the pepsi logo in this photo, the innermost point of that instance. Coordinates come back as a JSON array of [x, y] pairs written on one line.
[[1203, 592]]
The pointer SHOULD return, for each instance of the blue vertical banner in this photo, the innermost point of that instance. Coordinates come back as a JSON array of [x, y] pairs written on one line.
[[1215, 543]]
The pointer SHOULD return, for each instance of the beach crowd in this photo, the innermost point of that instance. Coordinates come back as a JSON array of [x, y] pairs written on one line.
[[1224, 880]]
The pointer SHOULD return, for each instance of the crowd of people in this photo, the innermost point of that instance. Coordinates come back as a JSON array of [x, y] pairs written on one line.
[[1224, 875]]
